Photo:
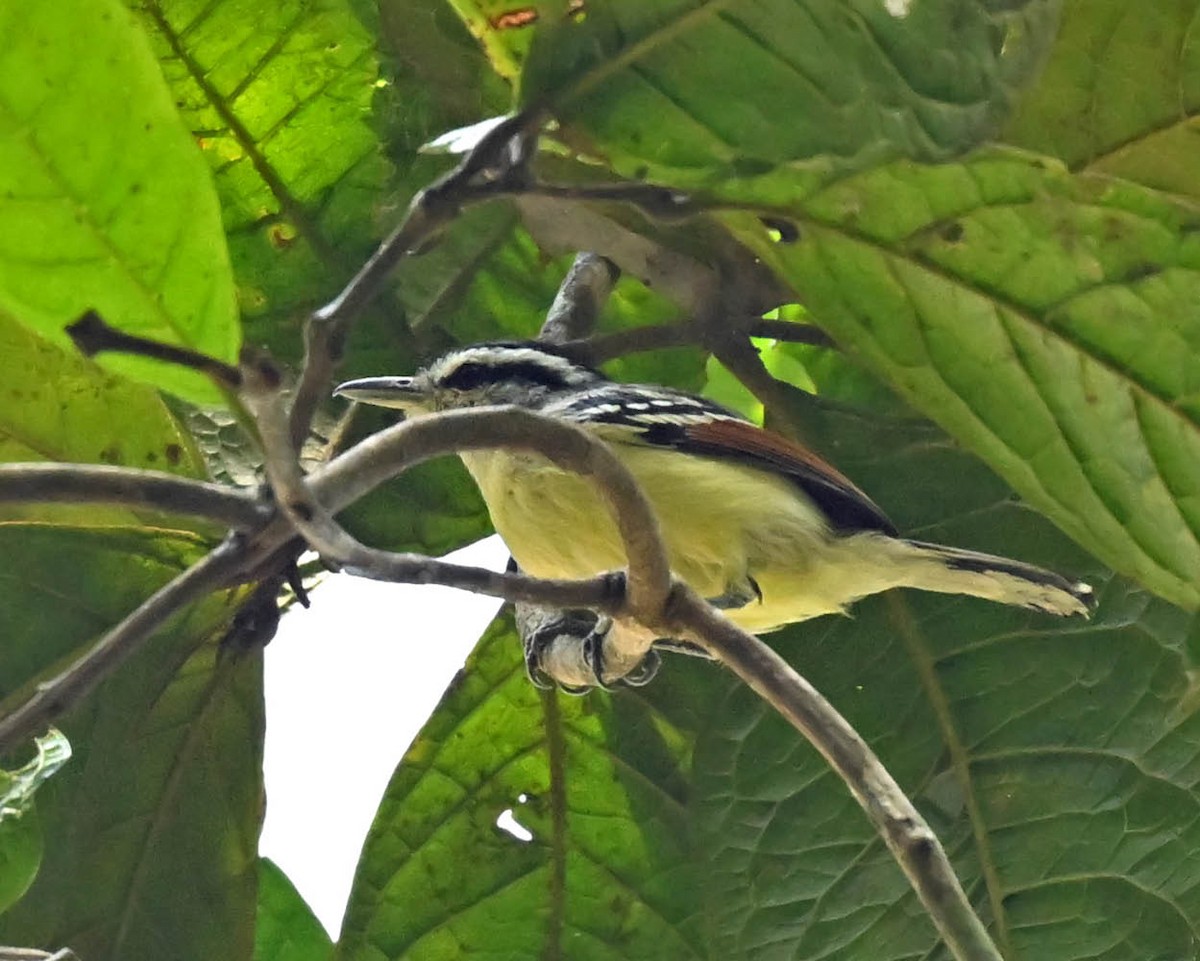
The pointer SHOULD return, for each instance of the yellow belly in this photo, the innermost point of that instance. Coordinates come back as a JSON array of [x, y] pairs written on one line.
[[721, 524]]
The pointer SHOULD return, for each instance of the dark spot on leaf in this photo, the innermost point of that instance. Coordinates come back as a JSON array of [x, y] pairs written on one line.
[[174, 454], [111, 454], [783, 231], [641, 172], [951, 232], [151, 457]]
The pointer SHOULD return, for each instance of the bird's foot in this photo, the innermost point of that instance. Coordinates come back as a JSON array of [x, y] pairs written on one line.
[[587, 634]]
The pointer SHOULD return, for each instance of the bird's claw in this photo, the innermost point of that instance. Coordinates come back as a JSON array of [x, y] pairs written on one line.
[[590, 632]]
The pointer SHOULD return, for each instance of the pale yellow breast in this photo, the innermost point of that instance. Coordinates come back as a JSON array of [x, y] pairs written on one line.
[[720, 521]]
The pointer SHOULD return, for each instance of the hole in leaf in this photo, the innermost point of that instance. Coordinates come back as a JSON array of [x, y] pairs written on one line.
[[506, 822]]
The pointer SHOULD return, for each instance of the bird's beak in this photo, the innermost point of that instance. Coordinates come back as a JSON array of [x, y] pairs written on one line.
[[397, 392]]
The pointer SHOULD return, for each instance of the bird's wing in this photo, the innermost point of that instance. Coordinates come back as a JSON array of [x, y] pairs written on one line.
[[693, 425]]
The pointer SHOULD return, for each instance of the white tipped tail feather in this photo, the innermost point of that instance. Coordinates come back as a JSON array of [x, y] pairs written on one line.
[[950, 570]]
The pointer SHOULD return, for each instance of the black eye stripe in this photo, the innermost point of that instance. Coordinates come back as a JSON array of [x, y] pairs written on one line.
[[470, 375]]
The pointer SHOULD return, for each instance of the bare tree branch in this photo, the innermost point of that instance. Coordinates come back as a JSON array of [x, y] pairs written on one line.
[[93, 335], [580, 298], [908, 836], [147, 489], [498, 164]]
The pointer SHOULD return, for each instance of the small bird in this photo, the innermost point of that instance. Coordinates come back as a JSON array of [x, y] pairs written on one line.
[[754, 522]]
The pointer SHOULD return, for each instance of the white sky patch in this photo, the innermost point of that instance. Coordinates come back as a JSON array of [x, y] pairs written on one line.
[[506, 822], [898, 8], [464, 139], [348, 684]]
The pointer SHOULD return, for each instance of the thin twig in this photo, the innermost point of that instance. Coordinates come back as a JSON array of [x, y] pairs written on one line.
[[497, 164], [907, 835], [93, 335], [604, 347], [743, 361], [127, 486], [790, 332], [57, 695]]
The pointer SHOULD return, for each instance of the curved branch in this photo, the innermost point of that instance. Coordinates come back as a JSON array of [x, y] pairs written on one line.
[[385, 454], [92, 484], [907, 835], [316, 524]]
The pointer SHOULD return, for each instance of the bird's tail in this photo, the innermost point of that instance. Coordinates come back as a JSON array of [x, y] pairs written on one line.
[[954, 571]]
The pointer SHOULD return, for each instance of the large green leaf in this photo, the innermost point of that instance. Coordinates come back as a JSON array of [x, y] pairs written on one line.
[[286, 929], [107, 202], [692, 91], [280, 99], [66, 408], [1049, 321], [151, 831], [1056, 759], [1121, 93], [601, 876]]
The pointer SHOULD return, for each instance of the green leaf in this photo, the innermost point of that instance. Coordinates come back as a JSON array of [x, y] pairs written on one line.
[[280, 100], [601, 876], [107, 202], [151, 833], [20, 829], [64, 408], [1046, 320], [1054, 759], [1086, 111], [690, 92], [286, 928]]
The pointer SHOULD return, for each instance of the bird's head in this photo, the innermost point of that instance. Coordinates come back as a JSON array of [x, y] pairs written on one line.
[[523, 373]]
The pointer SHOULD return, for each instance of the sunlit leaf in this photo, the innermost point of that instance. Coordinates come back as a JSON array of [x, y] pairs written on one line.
[[107, 203], [286, 929]]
